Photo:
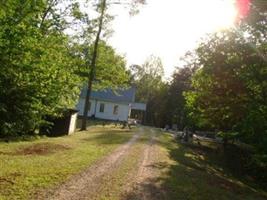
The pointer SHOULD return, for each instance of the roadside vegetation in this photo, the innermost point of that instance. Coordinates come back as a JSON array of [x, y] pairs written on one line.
[[220, 87], [30, 167]]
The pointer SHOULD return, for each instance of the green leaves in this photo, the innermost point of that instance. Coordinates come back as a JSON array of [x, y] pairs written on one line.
[[229, 90], [110, 68], [37, 70], [42, 68]]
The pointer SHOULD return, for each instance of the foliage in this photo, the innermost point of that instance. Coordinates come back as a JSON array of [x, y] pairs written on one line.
[[150, 87], [36, 77], [165, 100], [43, 68], [175, 107], [147, 77], [230, 89], [109, 65], [102, 22]]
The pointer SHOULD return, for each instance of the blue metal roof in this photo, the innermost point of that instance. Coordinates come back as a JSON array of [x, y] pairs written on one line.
[[121, 95]]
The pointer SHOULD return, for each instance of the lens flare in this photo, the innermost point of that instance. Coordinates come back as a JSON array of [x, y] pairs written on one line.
[[243, 7]]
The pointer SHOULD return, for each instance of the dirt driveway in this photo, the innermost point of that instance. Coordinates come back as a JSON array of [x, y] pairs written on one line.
[[126, 173], [152, 166]]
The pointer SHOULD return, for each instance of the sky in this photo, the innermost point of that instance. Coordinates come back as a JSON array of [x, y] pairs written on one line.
[[168, 28]]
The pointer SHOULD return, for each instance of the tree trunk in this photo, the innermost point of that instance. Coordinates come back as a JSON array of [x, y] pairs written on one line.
[[225, 144], [93, 66]]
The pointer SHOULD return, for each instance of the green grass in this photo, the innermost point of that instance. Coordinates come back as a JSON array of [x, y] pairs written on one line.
[[188, 172], [97, 122], [194, 173], [28, 167]]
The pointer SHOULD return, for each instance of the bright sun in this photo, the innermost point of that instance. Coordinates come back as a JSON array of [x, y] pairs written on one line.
[[209, 14], [169, 28]]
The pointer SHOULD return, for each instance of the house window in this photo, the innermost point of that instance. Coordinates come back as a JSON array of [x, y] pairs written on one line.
[[115, 110], [102, 107]]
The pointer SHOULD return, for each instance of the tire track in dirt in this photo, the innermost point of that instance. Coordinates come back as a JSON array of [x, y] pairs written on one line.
[[145, 186], [86, 184]]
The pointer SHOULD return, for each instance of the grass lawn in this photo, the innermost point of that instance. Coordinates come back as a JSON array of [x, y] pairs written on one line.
[[28, 167], [198, 173], [187, 171]]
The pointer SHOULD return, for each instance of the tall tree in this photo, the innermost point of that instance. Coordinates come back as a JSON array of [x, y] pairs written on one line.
[[102, 6], [148, 80], [175, 107], [230, 88], [37, 68]]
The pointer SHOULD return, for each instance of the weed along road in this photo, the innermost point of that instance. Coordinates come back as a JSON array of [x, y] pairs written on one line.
[[116, 164]]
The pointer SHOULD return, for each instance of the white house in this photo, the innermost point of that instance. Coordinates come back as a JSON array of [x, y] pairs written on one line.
[[110, 105]]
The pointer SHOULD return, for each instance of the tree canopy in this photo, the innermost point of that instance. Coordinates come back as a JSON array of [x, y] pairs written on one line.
[[37, 76], [44, 66]]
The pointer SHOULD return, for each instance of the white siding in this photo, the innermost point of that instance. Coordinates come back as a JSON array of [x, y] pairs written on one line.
[[80, 107], [123, 110], [138, 106], [72, 126], [122, 115]]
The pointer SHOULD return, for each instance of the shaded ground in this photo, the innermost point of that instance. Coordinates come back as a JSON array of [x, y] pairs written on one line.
[[193, 172]]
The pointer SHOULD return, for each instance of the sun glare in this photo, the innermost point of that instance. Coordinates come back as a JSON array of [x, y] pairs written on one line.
[[224, 14], [169, 28], [209, 14]]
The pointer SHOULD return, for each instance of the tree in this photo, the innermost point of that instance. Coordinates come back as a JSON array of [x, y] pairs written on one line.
[[109, 65], [43, 64], [229, 90], [102, 7], [175, 106], [148, 80], [37, 67]]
